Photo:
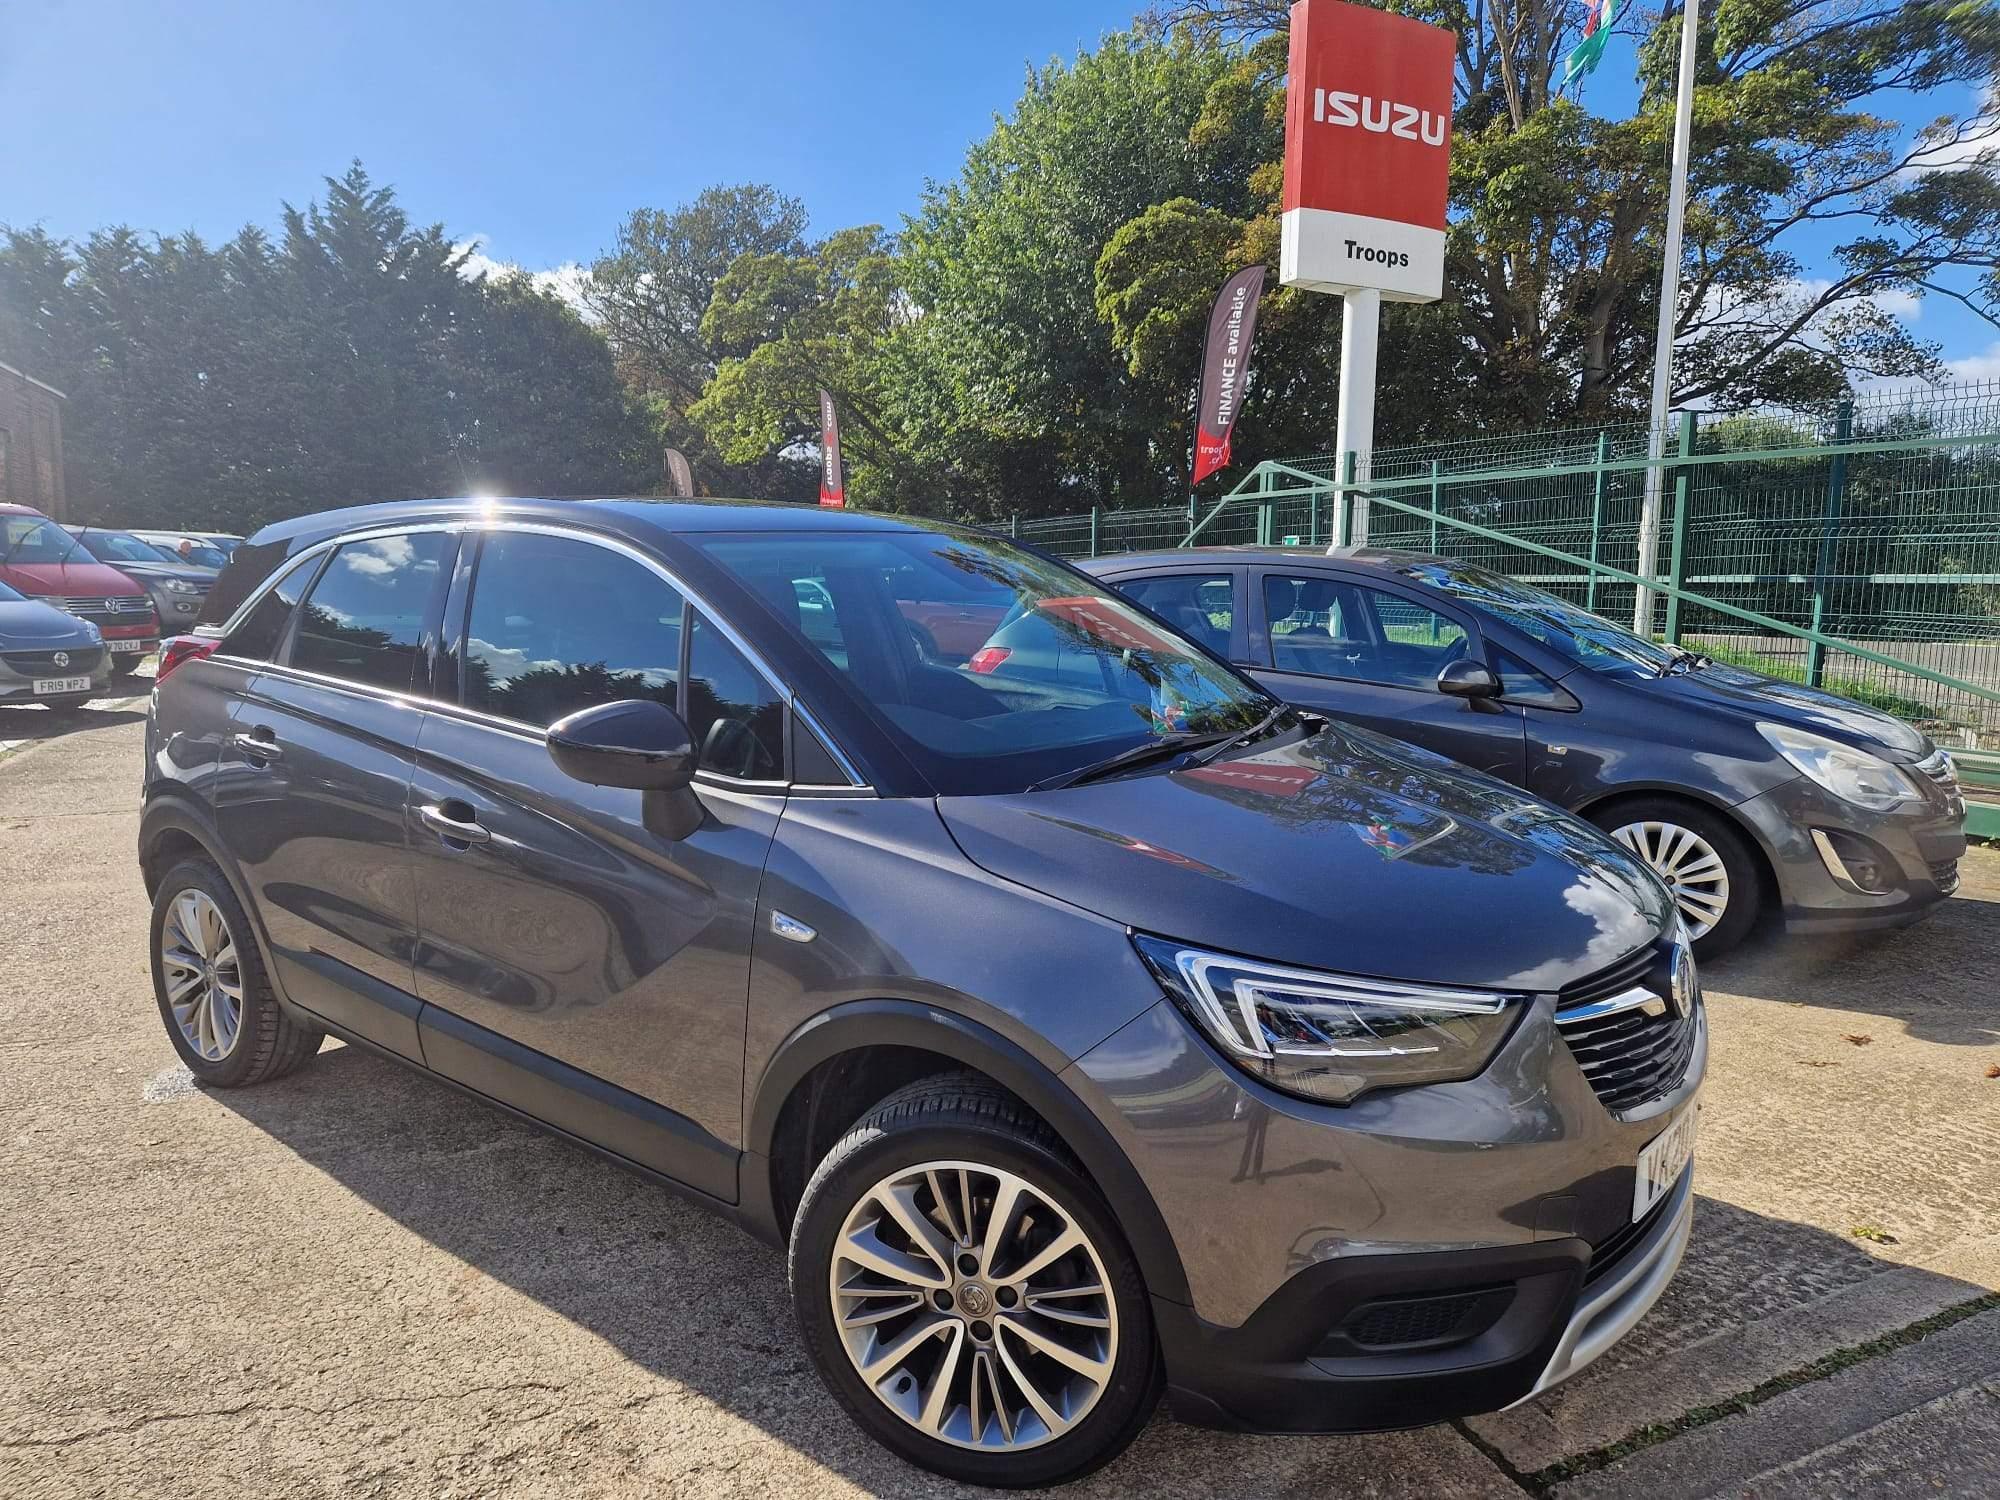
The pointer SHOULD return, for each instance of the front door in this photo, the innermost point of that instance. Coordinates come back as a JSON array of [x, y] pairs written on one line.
[[1371, 656], [311, 783], [575, 963]]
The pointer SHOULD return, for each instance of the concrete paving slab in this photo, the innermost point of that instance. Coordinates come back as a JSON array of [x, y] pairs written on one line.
[[1923, 1419]]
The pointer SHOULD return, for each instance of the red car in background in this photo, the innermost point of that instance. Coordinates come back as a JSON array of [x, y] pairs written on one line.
[[38, 558]]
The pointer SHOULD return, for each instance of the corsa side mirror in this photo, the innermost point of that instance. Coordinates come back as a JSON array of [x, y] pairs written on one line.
[[1468, 679]]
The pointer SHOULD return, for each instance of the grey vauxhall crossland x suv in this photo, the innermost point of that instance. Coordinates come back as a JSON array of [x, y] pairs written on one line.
[[1087, 1022]]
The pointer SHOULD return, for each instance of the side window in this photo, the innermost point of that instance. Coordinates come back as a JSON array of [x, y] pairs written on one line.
[[558, 625], [363, 621], [1201, 606], [1411, 641], [263, 628], [737, 720], [1311, 625], [1521, 683]]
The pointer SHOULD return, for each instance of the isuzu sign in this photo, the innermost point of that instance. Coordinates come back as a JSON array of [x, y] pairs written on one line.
[[1367, 152]]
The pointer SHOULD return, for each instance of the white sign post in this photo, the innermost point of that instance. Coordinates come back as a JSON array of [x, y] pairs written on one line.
[[1367, 167]]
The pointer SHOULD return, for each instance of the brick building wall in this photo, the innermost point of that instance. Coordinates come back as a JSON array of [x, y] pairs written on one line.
[[31, 456]]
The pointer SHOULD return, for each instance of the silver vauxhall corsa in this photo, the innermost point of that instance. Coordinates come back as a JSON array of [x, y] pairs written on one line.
[[1087, 1022]]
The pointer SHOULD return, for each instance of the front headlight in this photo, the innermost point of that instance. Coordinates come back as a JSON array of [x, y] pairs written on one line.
[[1851, 775], [1330, 1037], [181, 586]]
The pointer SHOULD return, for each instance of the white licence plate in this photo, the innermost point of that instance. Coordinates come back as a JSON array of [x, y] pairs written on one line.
[[62, 684], [123, 646], [1661, 1162]]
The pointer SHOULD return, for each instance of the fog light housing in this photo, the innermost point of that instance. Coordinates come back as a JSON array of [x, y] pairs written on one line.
[[1854, 863]]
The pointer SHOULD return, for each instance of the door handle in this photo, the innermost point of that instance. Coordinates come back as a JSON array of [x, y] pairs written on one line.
[[263, 746], [452, 830]]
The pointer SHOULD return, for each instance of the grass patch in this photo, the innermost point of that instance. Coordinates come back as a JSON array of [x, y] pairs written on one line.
[[1543, 1480]]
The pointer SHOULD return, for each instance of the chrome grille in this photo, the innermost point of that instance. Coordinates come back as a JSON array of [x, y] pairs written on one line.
[[1633, 1052], [117, 609], [1937, 768], [1944, 873]]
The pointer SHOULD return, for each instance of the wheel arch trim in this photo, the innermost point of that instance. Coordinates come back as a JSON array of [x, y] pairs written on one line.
[[858, 1025]]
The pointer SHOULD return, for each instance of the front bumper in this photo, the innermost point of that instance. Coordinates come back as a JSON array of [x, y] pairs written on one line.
[[1915, 851], [1493, 1216]]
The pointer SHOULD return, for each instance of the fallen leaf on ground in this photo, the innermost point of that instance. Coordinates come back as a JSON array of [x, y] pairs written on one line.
[[1858, 1038], [1993, 1071], [1874, 1233], [1812, 1062]]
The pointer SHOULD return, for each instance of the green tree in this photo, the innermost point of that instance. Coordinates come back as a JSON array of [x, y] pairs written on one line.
[[1008, 385], [788, 326], [1552, 267]]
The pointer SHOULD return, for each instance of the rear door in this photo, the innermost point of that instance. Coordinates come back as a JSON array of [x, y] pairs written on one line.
[[312, 780], [1370, 654], [575, 963]]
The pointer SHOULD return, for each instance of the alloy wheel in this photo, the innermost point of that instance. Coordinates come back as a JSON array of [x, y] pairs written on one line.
[[204, 981], [974, 1306], [1691, 867]]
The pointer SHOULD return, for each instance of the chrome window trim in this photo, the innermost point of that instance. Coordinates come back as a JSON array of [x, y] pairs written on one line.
[[521, 727]]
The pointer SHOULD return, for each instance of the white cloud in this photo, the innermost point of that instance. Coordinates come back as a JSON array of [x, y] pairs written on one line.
[[567, 280], [1973, 140]]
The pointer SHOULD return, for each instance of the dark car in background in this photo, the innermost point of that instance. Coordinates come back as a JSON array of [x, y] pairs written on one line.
[[1082, 1033], [177, 588], [41, 560], [48, 656], [1742, 791]]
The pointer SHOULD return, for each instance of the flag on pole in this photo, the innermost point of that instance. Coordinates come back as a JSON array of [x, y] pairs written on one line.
[[832, 488], [1225, 365], [680, 478], [1583, 58]]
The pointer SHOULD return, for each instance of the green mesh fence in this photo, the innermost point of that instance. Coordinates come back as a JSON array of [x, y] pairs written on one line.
[[1875, 520]]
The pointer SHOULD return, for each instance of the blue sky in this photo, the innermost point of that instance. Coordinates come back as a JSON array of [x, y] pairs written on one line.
[[537, 126]]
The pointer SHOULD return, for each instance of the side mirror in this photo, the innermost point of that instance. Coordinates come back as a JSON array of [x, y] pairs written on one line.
[[1468, 679], [634, 743]]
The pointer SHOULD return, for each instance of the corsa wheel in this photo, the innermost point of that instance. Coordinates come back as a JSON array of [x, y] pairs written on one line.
[[974, 1306], [1703, 860]]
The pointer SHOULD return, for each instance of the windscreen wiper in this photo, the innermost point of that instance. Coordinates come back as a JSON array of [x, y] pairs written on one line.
[[1683, 660], [1243, 736], [1161, 747]]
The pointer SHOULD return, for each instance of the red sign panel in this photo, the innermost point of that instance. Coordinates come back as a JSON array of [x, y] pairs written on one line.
[[1367, 151]]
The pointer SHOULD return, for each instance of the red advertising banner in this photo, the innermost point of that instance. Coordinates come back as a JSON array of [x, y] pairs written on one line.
[[832, 488], [1367, 152], [1225, 367]]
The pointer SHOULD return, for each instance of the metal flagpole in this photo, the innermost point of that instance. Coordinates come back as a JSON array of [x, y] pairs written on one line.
[[1354, 428], [1670, 296]]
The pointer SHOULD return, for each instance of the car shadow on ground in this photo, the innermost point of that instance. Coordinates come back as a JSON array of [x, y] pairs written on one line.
[[1936, 977], [693, 1300], [31, 723]]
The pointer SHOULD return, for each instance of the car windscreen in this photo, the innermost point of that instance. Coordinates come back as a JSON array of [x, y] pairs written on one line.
[[119, 546], [1064, 674], [1574, 634], [34, 539]]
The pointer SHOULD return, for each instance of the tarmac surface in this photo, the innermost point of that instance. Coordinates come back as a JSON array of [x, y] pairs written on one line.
[[354, 1282]]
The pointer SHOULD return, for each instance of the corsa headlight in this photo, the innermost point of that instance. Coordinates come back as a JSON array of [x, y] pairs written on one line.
[[1330, 1037], [1851, 775]]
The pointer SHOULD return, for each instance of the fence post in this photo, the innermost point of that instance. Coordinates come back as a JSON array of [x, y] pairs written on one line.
[[1267, 510], [1596, 519], [1436, 466], [1836, 493], [1093, 531], [1678, 574], [1345, 535], [1312, 517], [1014, 526]]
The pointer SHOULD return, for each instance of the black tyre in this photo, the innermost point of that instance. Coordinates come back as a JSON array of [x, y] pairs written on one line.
[[213, 993], [966, 1294], [125, 663], [1704, 860]]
